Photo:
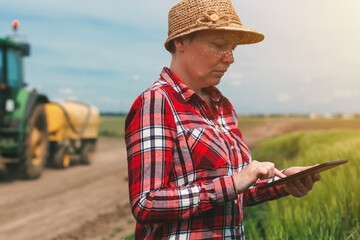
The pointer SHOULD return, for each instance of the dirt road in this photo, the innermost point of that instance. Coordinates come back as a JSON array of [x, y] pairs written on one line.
[[81, 202]]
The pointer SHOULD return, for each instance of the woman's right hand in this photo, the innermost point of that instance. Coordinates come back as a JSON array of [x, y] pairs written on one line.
[[252, 172]]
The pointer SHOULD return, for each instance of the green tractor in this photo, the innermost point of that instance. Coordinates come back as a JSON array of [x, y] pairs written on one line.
[[23, 123]]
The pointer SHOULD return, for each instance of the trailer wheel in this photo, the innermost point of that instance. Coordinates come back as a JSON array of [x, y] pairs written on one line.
[[61, 158], [36, 145], [87, 151]]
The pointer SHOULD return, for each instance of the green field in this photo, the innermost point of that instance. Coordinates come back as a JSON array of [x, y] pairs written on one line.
[[112, 126], [332, 209]]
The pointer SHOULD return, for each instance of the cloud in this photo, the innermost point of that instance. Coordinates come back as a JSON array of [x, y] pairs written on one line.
[[235, 79], [110, 101], [236, 75], [83, 71], [283, 97], [72, 98], [136, 77], [305, 79], [237, 82], [325, 100], [346, 94], [65, 91], [106, 99]]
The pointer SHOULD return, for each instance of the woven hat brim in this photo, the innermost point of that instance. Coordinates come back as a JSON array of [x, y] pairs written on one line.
[[246, 35]]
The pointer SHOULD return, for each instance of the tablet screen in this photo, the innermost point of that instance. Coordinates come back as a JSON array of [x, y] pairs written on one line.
[[315, 169]]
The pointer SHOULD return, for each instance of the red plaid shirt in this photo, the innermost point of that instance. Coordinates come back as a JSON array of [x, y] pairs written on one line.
[[181, 159]]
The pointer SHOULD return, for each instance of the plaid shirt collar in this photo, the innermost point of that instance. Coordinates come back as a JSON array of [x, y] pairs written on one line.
[[186, 92]]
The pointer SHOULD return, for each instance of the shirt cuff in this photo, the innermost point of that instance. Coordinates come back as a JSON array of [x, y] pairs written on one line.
[[225, 189]]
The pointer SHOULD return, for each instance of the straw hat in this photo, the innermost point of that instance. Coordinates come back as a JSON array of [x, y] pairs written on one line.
[[188, 16]]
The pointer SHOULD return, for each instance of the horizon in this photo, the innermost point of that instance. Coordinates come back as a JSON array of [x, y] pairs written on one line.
[[270, 115]]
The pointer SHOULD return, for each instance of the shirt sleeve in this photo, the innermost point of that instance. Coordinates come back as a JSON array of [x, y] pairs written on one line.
[[151, 137], [255, 196]]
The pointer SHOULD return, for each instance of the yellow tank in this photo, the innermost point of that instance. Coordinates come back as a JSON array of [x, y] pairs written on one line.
[[73, 131], [72, 120]]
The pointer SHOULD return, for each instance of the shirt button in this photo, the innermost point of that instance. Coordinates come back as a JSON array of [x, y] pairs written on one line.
[[232, 147], [237, 228], [236, 201], [217, 127]]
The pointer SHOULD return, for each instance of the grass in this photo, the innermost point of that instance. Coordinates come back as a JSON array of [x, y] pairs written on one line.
[[248, 123], [115, 231], [332, 209], [112, 126], [130, 237]]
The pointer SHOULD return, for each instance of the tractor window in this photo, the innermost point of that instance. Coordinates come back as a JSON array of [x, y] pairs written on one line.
[[1, 66], [14, 68]]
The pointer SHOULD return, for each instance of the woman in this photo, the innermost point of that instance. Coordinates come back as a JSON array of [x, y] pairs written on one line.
[[190, 172]]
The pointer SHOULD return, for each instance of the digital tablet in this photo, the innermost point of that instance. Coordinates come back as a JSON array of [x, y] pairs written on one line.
[[316, 169]]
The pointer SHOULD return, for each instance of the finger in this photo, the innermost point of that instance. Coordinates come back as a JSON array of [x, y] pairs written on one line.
[[266, 170], [261, 172], [292, 189], [316, 177], [279, 173], [266, 173], [308, 182], [300, 187]]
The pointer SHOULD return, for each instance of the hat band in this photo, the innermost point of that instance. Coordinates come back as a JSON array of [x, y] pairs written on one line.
[[212, 19]]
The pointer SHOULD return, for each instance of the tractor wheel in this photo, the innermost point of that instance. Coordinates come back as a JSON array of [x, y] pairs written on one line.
[[86, 153], [36, 145], [61, 158]]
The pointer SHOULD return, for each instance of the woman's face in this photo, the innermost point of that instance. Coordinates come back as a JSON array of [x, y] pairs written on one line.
[[207, 56]]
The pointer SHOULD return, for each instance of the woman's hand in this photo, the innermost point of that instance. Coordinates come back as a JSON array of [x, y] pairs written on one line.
[[252, 172], [300, 187]]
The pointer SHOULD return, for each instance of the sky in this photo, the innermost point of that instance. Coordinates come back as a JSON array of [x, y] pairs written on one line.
[[107, 52]]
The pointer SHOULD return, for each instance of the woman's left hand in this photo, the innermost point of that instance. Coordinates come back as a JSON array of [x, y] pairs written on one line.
[[300, 187]]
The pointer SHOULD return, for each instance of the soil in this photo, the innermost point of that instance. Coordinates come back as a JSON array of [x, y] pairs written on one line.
[[82, 202]]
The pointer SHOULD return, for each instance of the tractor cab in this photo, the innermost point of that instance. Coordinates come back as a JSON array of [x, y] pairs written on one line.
[[23, 124], [11, 54], [11, 71]]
